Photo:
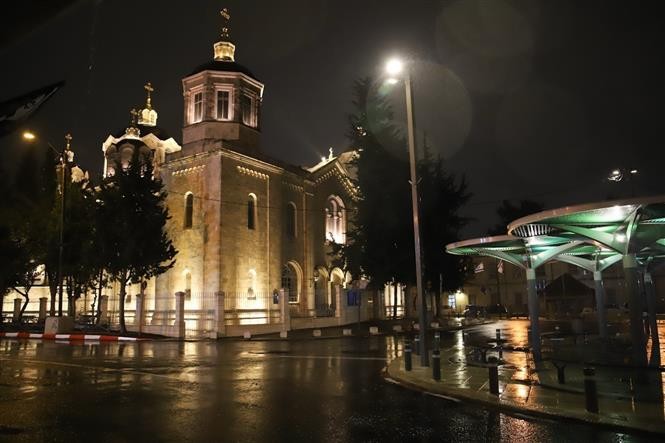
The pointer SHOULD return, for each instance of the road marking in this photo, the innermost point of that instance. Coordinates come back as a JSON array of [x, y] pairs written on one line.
[[98, 368], [319, 357]]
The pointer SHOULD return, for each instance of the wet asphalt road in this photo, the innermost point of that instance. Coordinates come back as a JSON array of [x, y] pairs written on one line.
[[324, 390]]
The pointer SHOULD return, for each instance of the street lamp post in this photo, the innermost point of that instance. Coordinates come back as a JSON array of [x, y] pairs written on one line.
[[395, 67], [64, 159], [66, 156]]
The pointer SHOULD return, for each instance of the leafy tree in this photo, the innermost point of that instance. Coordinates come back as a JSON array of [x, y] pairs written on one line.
[[509, 212], [131, 218], [26, 231], [81, 264], [442, 197], [380, 235], [379, 240]]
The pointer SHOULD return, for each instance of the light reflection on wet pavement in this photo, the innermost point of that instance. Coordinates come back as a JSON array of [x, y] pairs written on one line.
[[325, 390]]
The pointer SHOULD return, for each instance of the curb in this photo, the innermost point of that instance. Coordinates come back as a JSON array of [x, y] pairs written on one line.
[[69, 337], [516, 410]]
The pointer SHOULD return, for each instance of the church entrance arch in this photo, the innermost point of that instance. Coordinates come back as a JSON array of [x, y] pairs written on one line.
[[322, 292], [292, 281]]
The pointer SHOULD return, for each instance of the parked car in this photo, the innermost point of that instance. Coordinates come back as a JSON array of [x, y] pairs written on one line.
[[473, 311], [497, 310]]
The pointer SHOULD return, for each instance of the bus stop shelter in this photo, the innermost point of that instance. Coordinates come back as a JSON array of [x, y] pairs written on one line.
[[593, 236]]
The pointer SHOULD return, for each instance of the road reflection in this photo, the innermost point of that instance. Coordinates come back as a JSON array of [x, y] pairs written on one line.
[[325, 390]]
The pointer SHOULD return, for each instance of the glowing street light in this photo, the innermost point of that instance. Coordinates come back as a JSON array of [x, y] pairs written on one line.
[[395, 67], [65, 157], [619, 174]]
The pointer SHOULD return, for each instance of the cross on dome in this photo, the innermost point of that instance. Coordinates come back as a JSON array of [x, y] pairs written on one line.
[[148, 116], [224, 49]]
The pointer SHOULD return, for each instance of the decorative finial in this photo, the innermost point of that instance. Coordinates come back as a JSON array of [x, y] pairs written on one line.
[[68, 153], [226, 20], [133, 117], [224, 49], [148, 87], [330, 153]]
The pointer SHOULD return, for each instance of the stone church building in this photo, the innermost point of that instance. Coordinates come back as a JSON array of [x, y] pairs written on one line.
[[244, 224]]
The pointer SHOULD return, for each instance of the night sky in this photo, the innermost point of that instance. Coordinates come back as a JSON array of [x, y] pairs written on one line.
[[529, 99]]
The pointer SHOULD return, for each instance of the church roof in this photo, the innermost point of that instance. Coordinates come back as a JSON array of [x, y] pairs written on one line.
[[159, 132], [224, 66]]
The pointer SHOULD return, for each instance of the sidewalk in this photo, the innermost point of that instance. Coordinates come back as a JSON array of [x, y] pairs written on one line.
[[533, 393], [363, 329]]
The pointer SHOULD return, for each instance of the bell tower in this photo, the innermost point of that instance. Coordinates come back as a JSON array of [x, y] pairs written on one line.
[[222, 101]]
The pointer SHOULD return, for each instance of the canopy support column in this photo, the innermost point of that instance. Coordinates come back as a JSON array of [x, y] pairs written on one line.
[[635, 304], [534, 313], [653, 324], [600, 304]]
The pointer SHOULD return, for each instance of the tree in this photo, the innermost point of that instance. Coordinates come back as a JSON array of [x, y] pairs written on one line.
[[380, 235], [26, 230], [81, 264], [131, 218], [379, 242], [509, 212], [442, 197]]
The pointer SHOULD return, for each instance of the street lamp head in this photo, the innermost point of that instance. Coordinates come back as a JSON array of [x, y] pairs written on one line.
[[633, 171], [29, 136], [394, 66]]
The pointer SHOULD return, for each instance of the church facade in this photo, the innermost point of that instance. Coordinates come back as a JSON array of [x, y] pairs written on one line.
[[245, 225]]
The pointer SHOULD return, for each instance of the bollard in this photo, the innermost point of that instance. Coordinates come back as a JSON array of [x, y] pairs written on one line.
[[437, 340], [498, 335], [436, 364], [590, 390], [494, 379], [560, 374], [416, 345], [407, 355]]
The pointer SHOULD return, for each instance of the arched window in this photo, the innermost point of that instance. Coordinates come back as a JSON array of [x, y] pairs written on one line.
[[335, 220], [189, 210], [251, 211], [291, 220]]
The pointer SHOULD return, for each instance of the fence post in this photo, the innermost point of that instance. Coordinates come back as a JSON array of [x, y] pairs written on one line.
[[17, 309], [590, 390], [220, 325], [407, 355], [180, 313], [42, 308], [104, 310], [286, 315], [139, 317]]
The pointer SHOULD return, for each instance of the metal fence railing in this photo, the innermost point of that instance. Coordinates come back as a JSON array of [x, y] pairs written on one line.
[[251, 308]]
